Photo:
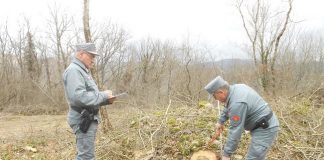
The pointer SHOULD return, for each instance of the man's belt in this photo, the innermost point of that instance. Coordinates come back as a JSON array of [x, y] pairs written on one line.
[[263, 122], [80, 109]]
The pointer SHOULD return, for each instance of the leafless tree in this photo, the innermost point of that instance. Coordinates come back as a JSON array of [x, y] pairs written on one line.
[[46, 60], [265, 34], [148, 55], [17, 45], [186, 50], [4, 45], [7, 72], [111, 41], [149, 69], [58, 25], [86, 24]]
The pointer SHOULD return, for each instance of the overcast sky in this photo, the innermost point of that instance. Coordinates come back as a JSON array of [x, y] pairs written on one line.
[[214, 22]]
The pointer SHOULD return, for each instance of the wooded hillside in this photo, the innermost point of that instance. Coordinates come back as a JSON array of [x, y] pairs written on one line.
[[167, 116]]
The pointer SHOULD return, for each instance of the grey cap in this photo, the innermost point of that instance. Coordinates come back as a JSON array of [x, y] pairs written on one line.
[[215, 84], [88, 47]]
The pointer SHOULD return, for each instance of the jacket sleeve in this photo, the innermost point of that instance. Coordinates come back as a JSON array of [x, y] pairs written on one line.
[[224, 116], [237, 115], [78, 94]]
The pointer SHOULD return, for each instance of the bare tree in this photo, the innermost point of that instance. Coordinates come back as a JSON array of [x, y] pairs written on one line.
[[4, 45], [59, 26], [187, 50], [265, 36], [17, 47], [45, 58], [111, 40], [7, 72], [148, 56], [86, 24], [149, 70]]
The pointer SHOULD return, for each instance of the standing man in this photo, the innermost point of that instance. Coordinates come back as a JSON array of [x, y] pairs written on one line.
[[247, 110], [84, 100]]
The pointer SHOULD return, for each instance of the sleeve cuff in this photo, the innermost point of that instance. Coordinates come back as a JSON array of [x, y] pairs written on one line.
[[221, 122], [105, 98], [226, 154]]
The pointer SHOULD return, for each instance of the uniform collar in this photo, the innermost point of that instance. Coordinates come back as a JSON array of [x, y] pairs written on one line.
[[79, 63]]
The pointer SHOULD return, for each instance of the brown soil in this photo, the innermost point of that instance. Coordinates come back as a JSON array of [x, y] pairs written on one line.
[[15, 127]]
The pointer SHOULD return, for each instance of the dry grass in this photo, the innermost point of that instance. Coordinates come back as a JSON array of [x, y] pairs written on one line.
[[172, 131]]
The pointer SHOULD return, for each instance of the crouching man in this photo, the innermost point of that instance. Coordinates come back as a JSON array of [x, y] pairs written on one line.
[[246, 110]]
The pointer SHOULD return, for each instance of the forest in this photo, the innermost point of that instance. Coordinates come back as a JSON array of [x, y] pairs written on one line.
[[167, 114]]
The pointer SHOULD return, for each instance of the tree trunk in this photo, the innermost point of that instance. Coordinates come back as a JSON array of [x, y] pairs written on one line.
[[86, 18], [103, 111]]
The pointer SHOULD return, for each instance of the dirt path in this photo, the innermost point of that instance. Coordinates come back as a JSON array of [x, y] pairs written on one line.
[[15, 127], [45, 136]]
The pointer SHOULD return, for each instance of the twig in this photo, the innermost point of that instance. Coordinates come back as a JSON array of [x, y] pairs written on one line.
[[197, 115], [165, 120], [120, 154], [70, 132], [314, 92], [106, 142], [139, 132], [310, 126], [320, 123], [102, 156], [283, 119], [310, 148], [301, 149]]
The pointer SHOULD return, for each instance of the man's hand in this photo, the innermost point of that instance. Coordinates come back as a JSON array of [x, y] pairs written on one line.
[[225, 158], [111, 98], [109, 92], [219, 128]]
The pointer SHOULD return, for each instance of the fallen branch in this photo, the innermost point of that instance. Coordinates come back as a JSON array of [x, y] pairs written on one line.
[[165, 120], [121, 155], [283, 119], [139, 133]]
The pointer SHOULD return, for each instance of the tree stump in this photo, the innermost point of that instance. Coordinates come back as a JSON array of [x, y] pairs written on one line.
[[205, 155]]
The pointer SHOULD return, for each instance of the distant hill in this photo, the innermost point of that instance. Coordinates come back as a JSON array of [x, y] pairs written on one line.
[[226, 64]]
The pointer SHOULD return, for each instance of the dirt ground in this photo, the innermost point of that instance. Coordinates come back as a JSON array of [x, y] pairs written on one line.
[[15, 127], [35, 137], [47, 136]]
